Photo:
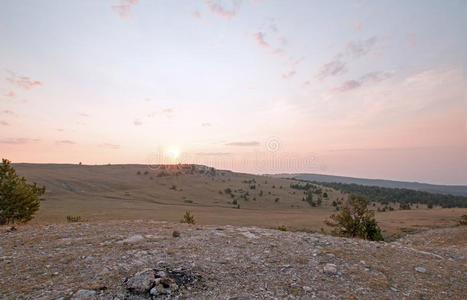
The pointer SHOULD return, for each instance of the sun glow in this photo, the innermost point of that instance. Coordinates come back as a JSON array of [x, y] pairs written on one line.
[[173, 153]]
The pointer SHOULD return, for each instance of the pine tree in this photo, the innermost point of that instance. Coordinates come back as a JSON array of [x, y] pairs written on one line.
[[19, 200]]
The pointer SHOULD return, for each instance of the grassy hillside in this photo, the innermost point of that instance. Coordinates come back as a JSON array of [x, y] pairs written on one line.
[[164, 193], [457, 190]]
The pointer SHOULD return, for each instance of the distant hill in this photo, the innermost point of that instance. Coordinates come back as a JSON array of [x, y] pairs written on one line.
[[457, 190]]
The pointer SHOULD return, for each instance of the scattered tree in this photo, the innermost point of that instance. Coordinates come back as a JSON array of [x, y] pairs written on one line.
[[355, 220], [19, 200]]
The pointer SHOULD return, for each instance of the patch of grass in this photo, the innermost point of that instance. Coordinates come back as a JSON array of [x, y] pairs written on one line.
[[74, 219]]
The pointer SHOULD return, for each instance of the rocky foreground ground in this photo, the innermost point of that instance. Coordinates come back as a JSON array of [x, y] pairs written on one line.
[[157, 260]]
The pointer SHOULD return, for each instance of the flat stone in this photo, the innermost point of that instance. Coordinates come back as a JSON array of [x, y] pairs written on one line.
[[330, 269], [420, 269], [84, 295], [141, 282]]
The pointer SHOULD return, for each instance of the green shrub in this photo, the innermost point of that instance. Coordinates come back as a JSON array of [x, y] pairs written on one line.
[[19, 200], [188, 218], [355, 220], [282, 228]]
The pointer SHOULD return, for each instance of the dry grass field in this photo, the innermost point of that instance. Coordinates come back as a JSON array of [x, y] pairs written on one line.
[[125, 192]]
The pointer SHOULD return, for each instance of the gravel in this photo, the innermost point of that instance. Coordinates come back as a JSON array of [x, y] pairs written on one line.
[[142, 260]]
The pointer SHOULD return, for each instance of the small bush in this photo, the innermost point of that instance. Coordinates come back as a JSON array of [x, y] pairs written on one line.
[[188, 218], [74, 219], [405, 206], [355, 220], [463, 220], [282, 228], [138, 173], [173, 187]]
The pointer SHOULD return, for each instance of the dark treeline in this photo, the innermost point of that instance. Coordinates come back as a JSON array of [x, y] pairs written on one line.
[[388, 195]]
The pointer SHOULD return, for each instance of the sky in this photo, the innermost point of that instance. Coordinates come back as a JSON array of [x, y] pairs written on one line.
[[373, 89]]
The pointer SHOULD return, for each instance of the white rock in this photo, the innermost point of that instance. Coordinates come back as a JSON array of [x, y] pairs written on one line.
[[307, 289], [420, 269], [330, 269], [249, 235], [132, 239]]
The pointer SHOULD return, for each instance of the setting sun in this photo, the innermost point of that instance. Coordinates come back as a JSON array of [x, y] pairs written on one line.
[[173, 152]]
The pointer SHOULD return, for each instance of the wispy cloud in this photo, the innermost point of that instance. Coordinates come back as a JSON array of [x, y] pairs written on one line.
[[137, 122], [23, 82], [110, 146], [213, 153], [167, 112], [372, 77], [65, 142], [206, 124], [260, 38], [333, 68], [4, 123], [8, 112], [353, 50], [225, 9], [270, 38], [348, 85], [358, 49], [244, 144], [288, 74], [124, 8], [17, 141]]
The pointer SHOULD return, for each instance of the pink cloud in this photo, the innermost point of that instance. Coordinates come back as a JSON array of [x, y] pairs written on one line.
[[124, 8], [137, 122], [218, 8], [4, 123], [260, 39], [348, 85], [65, 142], [11, 94], [23, 82], [17, 141]]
